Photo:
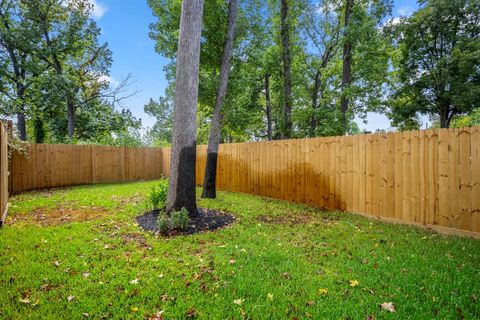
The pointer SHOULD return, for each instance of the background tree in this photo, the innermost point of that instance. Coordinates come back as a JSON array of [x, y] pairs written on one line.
[[18, 66], [209, 189], [181, 191], [438, 69]]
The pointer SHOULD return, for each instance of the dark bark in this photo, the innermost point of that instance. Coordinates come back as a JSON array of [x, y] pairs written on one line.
[[347, 68], [209, 187], [287, 78], [181, 191], [314, 119], [268, 107], [39, 130], [445, 116], [21, 126], [70, 117]]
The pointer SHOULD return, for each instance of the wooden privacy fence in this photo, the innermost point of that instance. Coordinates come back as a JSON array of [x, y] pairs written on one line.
[[56, 165], [3, 173], [427, 177]]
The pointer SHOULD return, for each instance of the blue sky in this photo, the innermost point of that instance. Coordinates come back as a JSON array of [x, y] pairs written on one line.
[[124, 26]]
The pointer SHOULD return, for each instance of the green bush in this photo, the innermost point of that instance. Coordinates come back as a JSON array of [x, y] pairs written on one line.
[[176, 220], [179, 219], [158, 195], [163, 222]]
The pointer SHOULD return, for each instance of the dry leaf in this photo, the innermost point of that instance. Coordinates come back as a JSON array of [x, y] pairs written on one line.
[[238, 301], [70, 298], [232, 261], [134, 281], [86, 274], [323, 291], [26, 301], [388, 306], [353, 283]]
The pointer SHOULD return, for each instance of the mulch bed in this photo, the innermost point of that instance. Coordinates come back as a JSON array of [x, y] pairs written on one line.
[[206, 220]]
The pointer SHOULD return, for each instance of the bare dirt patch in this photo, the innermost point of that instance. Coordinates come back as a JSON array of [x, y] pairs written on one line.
[[289, 218], [58, 216], [135, 237]]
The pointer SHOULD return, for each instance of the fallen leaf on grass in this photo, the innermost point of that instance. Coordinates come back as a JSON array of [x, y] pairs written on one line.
[[353, 283], [270, 296], [70, 298], [232, 261], [238, 301], [388, 306], [323, 291], [191, 313], [134, 281], [310, 303], [86, 274], [157, 316], [56, 263], [26, 301], [134, 309]]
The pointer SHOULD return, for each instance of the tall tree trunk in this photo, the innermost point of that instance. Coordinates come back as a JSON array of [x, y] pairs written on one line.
[[209, 187], [21, 123], [314, 119], [70, 116], [347, 67], [181, 191], [22, 128], [39, 130], [445, 116], [287, 78], [268, 107]]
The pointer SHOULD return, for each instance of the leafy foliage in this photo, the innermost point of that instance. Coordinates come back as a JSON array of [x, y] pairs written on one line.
[[439, 64], [173, 221], [157, 197], [53, 75]]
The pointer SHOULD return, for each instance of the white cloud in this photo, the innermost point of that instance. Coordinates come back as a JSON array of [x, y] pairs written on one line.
[[98, 9], [109, 79], [405, 11], [394, 21]]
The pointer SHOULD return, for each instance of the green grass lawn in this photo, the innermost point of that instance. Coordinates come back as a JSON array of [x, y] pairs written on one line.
[[77, 253]]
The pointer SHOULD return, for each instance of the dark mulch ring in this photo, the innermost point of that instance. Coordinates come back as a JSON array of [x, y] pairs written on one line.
[[206, 220]]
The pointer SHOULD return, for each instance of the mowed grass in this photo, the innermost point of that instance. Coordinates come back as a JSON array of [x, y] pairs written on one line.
[[277, 261]]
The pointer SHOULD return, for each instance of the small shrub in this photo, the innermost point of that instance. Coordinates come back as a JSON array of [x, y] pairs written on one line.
[[179, 219], [158, 195], [176, 220], [163, 223]]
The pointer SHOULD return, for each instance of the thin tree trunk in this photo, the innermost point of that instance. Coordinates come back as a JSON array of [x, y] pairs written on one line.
[[70, 117], [39, 130], [287, 78], [314, 120], [268, 107], [444, 117], [347, 68], [181, 191], [209, 187], [22, 128]]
